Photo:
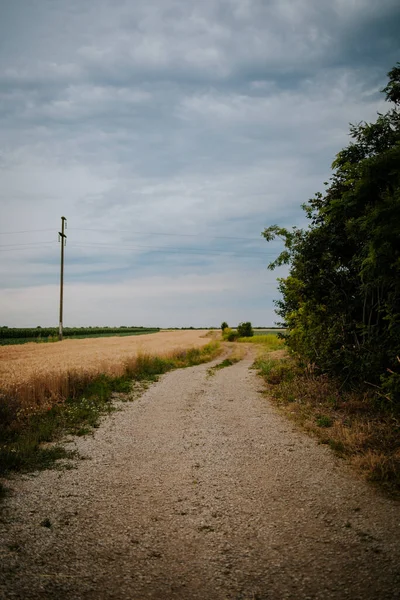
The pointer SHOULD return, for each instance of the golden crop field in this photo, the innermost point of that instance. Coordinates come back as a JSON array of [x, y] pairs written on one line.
[[33, 371]]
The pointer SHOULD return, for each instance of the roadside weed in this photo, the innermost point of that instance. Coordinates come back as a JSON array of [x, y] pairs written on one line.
[[349, 422]]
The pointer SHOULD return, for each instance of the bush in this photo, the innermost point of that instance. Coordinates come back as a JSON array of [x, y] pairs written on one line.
[[224, 325], [245, 329], [229, 335]]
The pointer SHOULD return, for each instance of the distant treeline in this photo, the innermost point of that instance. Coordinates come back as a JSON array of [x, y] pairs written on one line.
[[12, 334], [208, 328], [20, 335]]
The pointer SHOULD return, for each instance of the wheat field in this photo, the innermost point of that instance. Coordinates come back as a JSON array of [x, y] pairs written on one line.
[[32, 372]]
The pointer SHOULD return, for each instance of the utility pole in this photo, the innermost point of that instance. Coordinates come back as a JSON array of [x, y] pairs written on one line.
[[63, 238]]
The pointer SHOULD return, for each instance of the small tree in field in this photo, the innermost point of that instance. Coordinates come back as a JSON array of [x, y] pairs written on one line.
[[245, 329], [224, 325]]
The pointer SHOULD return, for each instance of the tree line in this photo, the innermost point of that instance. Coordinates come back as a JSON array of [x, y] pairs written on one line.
[[10, 333]]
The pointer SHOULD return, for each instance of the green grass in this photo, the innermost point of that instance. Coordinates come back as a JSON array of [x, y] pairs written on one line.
[[227, 362], [27, 443], [268, 330], [269, 341], [274, 371], [324, 421], [24, 442]]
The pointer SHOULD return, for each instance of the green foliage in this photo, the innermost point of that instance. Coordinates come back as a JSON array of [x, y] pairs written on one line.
[[227, 362], [228, 335], [224, 325], [269, 342], [341, 300], [245, 329], [22, 440], [274, 371], [392, 90], [324, 421]]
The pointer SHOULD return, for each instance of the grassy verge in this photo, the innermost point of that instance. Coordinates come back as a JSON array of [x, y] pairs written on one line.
[[354, 424], [27, 439], [268, 342]]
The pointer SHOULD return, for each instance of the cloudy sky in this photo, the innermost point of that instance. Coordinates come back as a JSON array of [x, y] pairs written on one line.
[[170, 133]]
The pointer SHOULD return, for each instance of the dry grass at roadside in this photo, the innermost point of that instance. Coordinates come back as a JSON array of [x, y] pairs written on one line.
[[22, 363], [354, 424], [74, 403], [34, 378]]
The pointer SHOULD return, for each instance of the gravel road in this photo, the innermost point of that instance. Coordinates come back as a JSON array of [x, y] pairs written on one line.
[[200, 490]]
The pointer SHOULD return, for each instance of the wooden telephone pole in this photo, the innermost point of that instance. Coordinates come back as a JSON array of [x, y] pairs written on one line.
[[63, 238]]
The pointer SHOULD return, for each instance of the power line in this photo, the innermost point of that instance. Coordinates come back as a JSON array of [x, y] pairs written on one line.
[[173, 250], [199, 251], [216, 237], [9, 247], [27, 231], [26, 244]]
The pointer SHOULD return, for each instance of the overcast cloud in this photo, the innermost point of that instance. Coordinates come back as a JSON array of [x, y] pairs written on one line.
[[142, 120]]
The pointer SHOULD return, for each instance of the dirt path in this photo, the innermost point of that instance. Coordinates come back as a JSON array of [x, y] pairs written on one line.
[[200, 490]]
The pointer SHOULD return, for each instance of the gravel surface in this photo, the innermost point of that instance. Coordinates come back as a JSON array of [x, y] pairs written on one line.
[[200, 490]]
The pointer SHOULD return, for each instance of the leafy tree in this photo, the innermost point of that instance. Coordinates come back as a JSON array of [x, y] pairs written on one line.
[[245, 329], [224, 325], [341, 300], [392, 90]]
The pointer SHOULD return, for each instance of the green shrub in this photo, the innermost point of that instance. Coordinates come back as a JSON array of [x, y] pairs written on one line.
[[229, 335], [245, 329], [224, 325]]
